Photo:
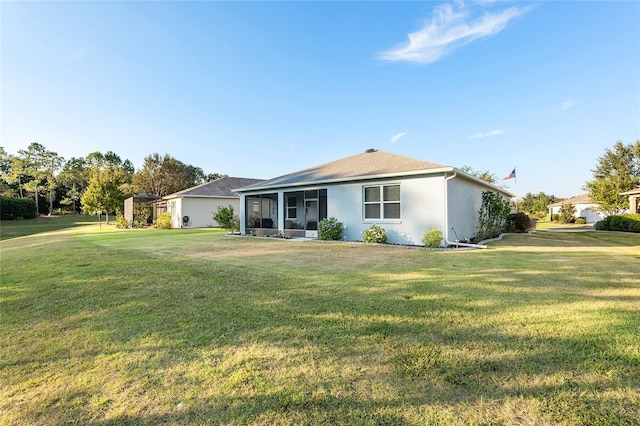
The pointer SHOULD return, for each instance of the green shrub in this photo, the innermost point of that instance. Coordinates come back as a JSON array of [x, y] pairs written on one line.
[[555, 217], [121, 222], [432, 238], [375, 234], [227, 219], [624, 222], [163, 221], [12, 208], [330, 229], [518, 222], [492, 215], [567, 213], [581, 221]]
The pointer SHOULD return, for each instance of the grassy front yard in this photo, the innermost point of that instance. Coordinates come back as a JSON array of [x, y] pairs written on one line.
[[111, 327]]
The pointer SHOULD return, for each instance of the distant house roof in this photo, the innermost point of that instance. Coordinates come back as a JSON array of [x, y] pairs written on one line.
[[371, 163], [632, 192], [219, 188], [580, 199], [144, 197]]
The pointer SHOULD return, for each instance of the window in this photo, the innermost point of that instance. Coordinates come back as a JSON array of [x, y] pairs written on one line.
[[382, 202], [292, 207]]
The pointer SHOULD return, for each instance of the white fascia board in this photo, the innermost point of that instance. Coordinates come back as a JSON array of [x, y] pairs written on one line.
[[482, 182], [350, 179]]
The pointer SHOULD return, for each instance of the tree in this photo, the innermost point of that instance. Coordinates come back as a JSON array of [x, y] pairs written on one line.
[[536, 203], [162, 176], [75, 178], [227, 219], [567, 213], [617, 171], [109, 183], [43, 165], [486, 176]]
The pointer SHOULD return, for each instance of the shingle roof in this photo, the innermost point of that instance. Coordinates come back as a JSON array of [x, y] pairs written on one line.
[[368, 164], [580, 199], [223, 187]]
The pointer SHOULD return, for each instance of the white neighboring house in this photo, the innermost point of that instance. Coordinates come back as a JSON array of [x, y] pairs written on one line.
[[404, 195], [584, 208], [634, 200], [194, 207]]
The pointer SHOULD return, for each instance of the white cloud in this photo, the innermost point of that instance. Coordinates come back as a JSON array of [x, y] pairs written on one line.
[[569, 103], [451, 27], [395, 137], [487, 134]]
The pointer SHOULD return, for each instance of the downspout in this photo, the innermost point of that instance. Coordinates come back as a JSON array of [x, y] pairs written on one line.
[[446, 217]]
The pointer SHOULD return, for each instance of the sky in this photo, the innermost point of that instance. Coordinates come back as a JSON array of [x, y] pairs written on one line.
[[262, 89]]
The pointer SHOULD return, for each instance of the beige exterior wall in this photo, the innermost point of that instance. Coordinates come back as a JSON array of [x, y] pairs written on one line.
[[199, 210]]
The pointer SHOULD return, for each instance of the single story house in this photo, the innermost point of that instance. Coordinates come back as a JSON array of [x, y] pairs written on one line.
[[404, 195], [194, 207], [634, 200], [584, 208]]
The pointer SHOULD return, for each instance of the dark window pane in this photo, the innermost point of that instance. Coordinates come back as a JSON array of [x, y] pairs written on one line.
[[392, 193], [371, 194], [372, 211], [392, 210]]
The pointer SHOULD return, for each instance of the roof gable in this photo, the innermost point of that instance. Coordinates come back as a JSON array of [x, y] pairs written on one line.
[[223, 187], [365, 165]]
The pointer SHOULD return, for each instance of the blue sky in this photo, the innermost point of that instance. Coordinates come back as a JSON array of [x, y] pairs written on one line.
[[260, 89]]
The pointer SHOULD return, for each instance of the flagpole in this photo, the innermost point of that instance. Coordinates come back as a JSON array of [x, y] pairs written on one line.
[[515, 179]]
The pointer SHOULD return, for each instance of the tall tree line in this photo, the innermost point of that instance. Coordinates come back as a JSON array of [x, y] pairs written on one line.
[[97, 182]]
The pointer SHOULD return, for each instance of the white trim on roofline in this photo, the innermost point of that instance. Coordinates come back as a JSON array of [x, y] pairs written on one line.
[[375, 177]]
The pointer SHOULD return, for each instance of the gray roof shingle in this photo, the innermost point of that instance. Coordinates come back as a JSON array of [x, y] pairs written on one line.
[[223, 187], [368, 164]]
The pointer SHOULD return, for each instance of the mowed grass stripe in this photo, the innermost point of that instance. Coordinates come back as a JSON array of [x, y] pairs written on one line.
[[101, 326]]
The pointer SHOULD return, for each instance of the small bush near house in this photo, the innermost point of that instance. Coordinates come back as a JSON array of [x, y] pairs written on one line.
[[567, 213], [17, 208], [330, 229], [518, 222], [555, 217], [623, 222], [228, 220], [121, 222], [432, 238], [581, 221], [375, 234], [163, 221]]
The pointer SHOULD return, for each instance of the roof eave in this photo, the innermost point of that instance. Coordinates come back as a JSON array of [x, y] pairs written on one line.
[[348, 179]]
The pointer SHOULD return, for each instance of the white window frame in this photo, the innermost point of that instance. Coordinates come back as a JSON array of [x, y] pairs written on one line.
[[381, 203]]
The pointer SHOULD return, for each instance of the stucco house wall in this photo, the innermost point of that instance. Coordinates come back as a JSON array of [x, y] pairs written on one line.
[[464, 199], [199, 211], [421, 206]]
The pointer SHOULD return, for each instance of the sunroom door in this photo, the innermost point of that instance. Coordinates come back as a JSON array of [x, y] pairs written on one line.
[[311, 218]]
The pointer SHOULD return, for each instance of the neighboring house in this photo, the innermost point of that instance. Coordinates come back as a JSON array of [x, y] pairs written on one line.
[[404, 195], [634, 200], [584, 208], [195, 207]]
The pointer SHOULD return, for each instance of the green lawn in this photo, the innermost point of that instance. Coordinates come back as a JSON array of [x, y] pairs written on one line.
[[104, 326], [20, 228]]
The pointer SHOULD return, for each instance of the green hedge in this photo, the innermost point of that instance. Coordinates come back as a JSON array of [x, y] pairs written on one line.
[[17, 208], [518, 222], [624, 222]]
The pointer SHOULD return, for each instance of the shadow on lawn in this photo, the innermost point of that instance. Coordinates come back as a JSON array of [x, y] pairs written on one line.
[[448, 333]]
